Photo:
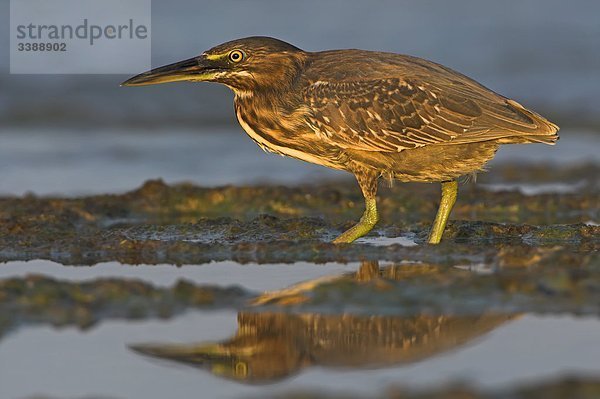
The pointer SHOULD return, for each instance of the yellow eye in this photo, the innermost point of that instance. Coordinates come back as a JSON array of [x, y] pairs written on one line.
[[241, 369], [236, 56]]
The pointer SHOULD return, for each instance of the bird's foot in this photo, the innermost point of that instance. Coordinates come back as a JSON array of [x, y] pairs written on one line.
[[449, 193], [364, 226], [358, 230], [435, 238]]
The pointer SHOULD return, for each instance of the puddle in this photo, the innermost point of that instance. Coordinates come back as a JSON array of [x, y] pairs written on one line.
[[536, 189], [71, 363], [478, 268], [251, 277], [127, 331], [382, 241], [542, 282]]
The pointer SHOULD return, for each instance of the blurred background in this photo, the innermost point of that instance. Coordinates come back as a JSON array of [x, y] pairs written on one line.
[[81, 134]]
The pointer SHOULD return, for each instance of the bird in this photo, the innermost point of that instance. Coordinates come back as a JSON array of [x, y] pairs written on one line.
[[373, 114], [271, 346]]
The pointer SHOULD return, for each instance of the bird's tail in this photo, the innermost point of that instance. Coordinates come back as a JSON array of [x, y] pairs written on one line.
[[544, 132]]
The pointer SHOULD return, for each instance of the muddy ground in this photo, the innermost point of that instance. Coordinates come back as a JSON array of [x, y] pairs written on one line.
[[181, 224]]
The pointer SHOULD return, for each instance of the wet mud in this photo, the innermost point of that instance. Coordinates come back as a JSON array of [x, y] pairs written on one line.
[[36, 300], [182, 224]]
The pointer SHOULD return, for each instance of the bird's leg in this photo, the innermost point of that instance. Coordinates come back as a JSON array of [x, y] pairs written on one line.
[[368, 184], [368, 271], [449, 193]]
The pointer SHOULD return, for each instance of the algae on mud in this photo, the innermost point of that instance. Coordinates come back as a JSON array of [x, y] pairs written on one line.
[[36, 299], [187, 224]]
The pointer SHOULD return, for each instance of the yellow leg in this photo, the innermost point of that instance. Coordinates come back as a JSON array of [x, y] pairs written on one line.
[[366, 224], [368, 185], [449, 193]]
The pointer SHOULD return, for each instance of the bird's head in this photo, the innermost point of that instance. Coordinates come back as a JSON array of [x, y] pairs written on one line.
[[247, 359], [247, 64], [266, 347]]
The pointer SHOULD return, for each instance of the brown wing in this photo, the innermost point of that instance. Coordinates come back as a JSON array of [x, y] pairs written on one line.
[[393, 114]]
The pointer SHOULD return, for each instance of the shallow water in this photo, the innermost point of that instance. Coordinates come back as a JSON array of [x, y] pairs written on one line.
[[363, 330], [405, 241], [71, 363], [69, 162], [252, 277]]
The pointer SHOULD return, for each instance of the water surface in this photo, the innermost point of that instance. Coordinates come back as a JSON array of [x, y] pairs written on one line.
[[66, 162], [72, 363]]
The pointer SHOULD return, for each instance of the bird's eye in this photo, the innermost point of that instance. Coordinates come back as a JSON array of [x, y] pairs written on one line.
[[241, 369], [236, 56]]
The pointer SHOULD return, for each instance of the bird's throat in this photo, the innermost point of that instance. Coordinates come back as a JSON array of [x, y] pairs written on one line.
[[242, 94]]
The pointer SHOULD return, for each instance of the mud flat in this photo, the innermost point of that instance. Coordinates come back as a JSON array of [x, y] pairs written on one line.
[[158, 223]]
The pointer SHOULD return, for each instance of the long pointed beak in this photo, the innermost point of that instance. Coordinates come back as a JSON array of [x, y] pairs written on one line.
[[214, 357], [193, 69], [199, 354]]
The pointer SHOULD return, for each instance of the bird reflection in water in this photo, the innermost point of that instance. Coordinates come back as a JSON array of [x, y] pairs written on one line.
[[270, 346]]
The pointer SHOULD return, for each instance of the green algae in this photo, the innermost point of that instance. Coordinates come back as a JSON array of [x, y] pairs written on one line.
[[64, 235], [36, 299], [269, 239], [550, 283], [189, 224]]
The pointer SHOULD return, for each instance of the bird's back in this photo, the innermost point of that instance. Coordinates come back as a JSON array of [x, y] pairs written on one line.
[[389, 102]]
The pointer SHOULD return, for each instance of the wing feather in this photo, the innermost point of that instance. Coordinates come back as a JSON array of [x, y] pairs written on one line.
[[395, 114]]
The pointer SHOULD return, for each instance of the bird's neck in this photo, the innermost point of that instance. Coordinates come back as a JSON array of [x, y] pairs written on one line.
[[266, 109], [242, 94], [273, 122], [272, 103]]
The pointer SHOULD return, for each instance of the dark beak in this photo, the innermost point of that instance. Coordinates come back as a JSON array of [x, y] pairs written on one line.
[[212, 356], [193, 69]]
